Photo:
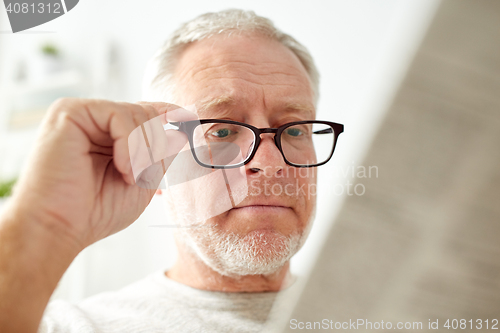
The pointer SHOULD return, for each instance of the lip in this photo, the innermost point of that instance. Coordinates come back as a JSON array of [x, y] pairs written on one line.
[[264, 206], [261, 209], [262, 203]]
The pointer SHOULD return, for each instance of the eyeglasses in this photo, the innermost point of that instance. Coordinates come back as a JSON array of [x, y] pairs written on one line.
[[226, 144]]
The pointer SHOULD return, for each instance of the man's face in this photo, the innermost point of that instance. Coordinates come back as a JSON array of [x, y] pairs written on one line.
[[257, 81]]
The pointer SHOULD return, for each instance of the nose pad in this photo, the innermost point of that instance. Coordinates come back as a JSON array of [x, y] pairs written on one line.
[[250, 149], [270, 158]]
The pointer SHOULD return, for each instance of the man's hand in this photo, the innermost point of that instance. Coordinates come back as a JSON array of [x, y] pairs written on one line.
[[80, 179], [77, 189]]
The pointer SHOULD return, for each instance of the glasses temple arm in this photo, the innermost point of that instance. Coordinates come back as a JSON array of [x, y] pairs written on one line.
[[325, 131]]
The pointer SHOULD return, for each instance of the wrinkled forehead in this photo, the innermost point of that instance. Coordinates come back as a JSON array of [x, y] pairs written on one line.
[[225, 106], [253, 73]]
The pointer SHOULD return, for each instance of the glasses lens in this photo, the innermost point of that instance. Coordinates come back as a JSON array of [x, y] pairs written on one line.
[[308, 144], [221, 144]]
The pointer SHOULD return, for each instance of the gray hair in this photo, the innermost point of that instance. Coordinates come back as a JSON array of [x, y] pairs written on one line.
[[158, 80]]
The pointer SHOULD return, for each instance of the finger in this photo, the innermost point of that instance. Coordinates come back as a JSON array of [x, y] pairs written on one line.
[[122, 125], [161, 144], [147, 144], [104, 124], [151, 148], [139, 152]]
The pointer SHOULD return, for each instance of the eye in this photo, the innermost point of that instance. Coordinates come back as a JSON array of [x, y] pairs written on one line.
[[221, 133], [294, 131]]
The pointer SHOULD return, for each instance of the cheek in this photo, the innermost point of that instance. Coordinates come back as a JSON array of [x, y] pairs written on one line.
[[199, 199], [307, 191]]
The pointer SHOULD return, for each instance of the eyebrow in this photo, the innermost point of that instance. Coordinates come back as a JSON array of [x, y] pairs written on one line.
[[216, 105], [211, 104], [305, 109]]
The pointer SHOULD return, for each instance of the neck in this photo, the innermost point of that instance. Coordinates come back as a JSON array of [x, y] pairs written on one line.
[[192, 271]]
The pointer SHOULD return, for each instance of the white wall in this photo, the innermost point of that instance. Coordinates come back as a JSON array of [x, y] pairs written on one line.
[[362, 48]]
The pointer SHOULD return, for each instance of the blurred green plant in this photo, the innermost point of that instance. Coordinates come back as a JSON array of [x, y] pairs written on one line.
[[6, 187], [50, 50]]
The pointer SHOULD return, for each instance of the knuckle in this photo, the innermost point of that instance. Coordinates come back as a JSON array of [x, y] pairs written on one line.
[[139, 113], [126, 113], [64, 103], [128, 108], [63, 108], [149, 110], [68, 110]]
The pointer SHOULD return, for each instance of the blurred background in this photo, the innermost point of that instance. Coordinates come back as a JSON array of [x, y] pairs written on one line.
[[422, 245], [405, 153]]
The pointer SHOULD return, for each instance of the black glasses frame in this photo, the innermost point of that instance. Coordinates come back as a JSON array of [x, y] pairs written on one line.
[[188, 128]]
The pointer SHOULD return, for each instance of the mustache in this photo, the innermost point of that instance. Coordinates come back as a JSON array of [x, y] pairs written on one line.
[[275, 188]]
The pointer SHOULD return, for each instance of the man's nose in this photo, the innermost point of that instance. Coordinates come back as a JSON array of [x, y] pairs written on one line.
[[267, 158]]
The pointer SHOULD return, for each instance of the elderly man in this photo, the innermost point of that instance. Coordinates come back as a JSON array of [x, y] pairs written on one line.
[[258, 86]]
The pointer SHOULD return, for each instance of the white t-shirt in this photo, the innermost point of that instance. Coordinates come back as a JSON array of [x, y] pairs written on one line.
[[159, 304]]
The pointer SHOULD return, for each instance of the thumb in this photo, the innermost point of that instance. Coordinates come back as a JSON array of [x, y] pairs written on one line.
[[152, 148]]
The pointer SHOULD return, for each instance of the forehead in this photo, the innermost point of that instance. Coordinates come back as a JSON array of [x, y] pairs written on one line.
[[253, 73]]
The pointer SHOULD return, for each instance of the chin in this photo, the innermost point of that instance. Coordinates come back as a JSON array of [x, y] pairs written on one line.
[[260, 252]]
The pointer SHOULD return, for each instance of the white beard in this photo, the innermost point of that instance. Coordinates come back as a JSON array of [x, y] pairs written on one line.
[[259, 252]]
